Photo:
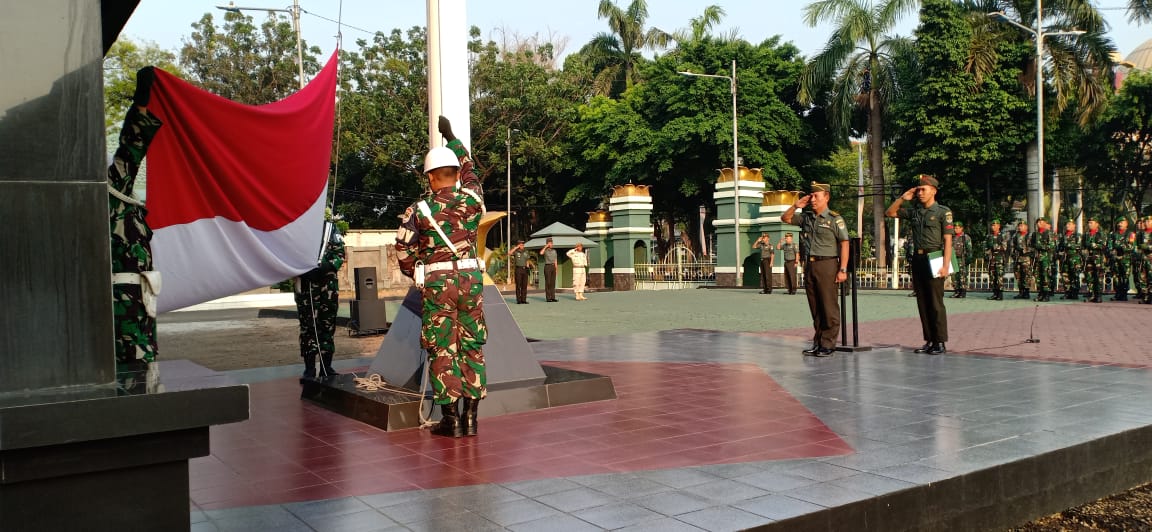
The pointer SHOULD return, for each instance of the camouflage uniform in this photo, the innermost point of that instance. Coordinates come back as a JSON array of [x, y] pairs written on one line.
[[1022, 254], [996, 251], [1121, 246], [453, 329], [1139, 274], [1069, 250], [317, 302], [1095, 254], [961, 247], [1043, 245], [135, 328], [1144, 251]]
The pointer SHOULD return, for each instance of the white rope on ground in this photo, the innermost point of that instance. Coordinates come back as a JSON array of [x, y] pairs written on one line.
[[374, 382]]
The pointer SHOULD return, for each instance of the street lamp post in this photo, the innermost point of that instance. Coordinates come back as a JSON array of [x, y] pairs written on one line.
[[294, 11], [508, 232], [1039, 34], [735, 161]]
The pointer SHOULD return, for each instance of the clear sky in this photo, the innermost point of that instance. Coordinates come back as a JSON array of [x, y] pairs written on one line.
[[168, 22]]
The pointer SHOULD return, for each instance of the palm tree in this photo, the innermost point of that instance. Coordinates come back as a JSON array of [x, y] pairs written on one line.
[[1079, 67], [857, 70], [616, 55], [701, 26], [1139, 11]]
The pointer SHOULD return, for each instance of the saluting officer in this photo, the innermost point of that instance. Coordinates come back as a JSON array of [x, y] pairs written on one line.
[[931, 225], [826, 241]]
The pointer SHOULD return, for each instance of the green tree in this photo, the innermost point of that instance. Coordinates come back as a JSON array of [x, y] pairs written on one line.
[[123, 59], [615, 55], [968, 132], [858, 69], [244, 62], [701, 27], [1124, 168]]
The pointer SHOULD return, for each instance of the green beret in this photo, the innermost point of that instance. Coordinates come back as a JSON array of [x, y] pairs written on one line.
[[1042, 219], [926, 179], [1121, 219], [1093, 219], [959, 224], [995, 221], [818, 187]]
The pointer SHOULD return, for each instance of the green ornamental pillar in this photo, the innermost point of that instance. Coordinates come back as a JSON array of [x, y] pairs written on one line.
[[599, 222], [631, 210], [751, 182]]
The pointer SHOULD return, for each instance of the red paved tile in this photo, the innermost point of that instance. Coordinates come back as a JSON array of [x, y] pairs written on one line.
[[291, 451]]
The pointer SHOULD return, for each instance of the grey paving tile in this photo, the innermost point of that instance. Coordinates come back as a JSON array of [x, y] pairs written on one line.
[[778, 507], [674, 502], [826, 494], [556, 523], [535, 488], [462, 521], [382, 500], [256, 518], [726, 491], [732, 470], [577, 499], [915, 473], [203, 526], [666, 524], [631, 487], [314, 510], [480, 496], [821, 471], [516, 511], [615, 516], [678, 478], [723, 518], [874, 484], [196, 516], [776, 482], [419, 510], [366, 521]]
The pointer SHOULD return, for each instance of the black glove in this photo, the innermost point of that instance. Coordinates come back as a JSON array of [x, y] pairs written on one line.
[[446, 129], [314, 276], [144, 78]]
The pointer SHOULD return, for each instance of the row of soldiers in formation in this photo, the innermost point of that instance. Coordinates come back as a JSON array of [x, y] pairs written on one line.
[[1119, 255]]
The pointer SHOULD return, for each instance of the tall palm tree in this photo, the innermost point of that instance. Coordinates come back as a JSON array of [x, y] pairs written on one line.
[[856, 70], [1140, 11], [701, 26], [616, 55], [1078, 67]]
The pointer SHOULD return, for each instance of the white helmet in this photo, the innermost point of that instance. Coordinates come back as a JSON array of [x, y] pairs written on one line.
[[439, 158]]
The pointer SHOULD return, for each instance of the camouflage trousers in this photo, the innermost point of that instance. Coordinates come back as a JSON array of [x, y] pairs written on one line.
[[1120, 270], [1070, 273], [453, 331], [1140, 273], [1022, 270], [316, 308], [996, 274], [1045, 274], [1094, 275], [960, 278], [135, 329]]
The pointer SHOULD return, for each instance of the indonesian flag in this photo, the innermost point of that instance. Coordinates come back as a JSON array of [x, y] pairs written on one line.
[[236, 192]]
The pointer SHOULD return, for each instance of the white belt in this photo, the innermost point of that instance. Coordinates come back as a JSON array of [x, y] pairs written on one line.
[[149, 287], [466, 264]]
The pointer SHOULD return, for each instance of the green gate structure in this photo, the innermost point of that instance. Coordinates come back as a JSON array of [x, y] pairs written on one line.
[[630, 210], [599, 221], [751, 182]]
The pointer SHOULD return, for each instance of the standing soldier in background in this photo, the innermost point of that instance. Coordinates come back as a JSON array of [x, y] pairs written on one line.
[[789, 251], [549, 254], [436, 246], [1144, 251], [908, 252], [1068, 250], [1138, 260], [579, 270], [827, 246], [1121, 244], [520, 261], [1095, 254], [1020, 249], [317, 303], [931, 225], [764, 244], [961, 248], [996, 252], [1043, 246]]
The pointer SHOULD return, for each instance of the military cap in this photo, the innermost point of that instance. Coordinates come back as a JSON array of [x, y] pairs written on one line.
[[994, 221], [521, 241], [926, 179], [1121, 219], [549, 239], [817, 187], [1042, 219], [959, 224], [787, 234], [1093, 219], [765, 233]]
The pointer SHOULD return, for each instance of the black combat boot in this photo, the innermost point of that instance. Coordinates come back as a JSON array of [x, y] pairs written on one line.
[[326, 365], [309, 366], [449, 424], [955, 294], [997, 295], [1021, 294], [964, 294], [469, 415]]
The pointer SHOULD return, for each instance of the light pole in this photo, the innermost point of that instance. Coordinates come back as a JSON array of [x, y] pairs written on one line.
[[735, 161], [294, 11], [508, 216], [1039, 34]]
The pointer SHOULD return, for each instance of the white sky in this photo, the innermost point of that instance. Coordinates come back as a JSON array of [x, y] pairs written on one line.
[[168, 22]]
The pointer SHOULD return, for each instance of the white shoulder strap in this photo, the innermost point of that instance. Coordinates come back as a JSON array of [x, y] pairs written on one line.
[[427, 212]]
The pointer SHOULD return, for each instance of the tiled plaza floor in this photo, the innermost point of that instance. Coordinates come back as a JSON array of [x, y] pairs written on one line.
[[710, 431]]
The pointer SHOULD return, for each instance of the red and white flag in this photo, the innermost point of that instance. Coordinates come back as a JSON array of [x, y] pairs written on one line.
[[236, 192]]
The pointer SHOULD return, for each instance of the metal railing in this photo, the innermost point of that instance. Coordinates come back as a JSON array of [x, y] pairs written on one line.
[[870, 276], [680, 270]]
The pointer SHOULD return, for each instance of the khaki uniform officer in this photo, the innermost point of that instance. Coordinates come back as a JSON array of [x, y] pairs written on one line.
[[826, 265], [789, 250], [931, 225]]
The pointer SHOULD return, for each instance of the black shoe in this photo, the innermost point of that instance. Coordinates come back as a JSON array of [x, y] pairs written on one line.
[[470, 411], [996, 296], [964, 293], [1146, 301], [928, 346], [309, 367], [449, 424], [955, 295], [913, 294], [1093, 300], [763, 291], [812, 350], [824, 352], [937, 349]]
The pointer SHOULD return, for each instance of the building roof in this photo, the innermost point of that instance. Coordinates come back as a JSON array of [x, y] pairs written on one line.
[[563, 236], [1141, 57], [558, 229]]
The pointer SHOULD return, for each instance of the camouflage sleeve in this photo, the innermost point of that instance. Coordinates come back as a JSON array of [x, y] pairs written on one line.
[[135, 136], [333, 255], [407, 240]]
